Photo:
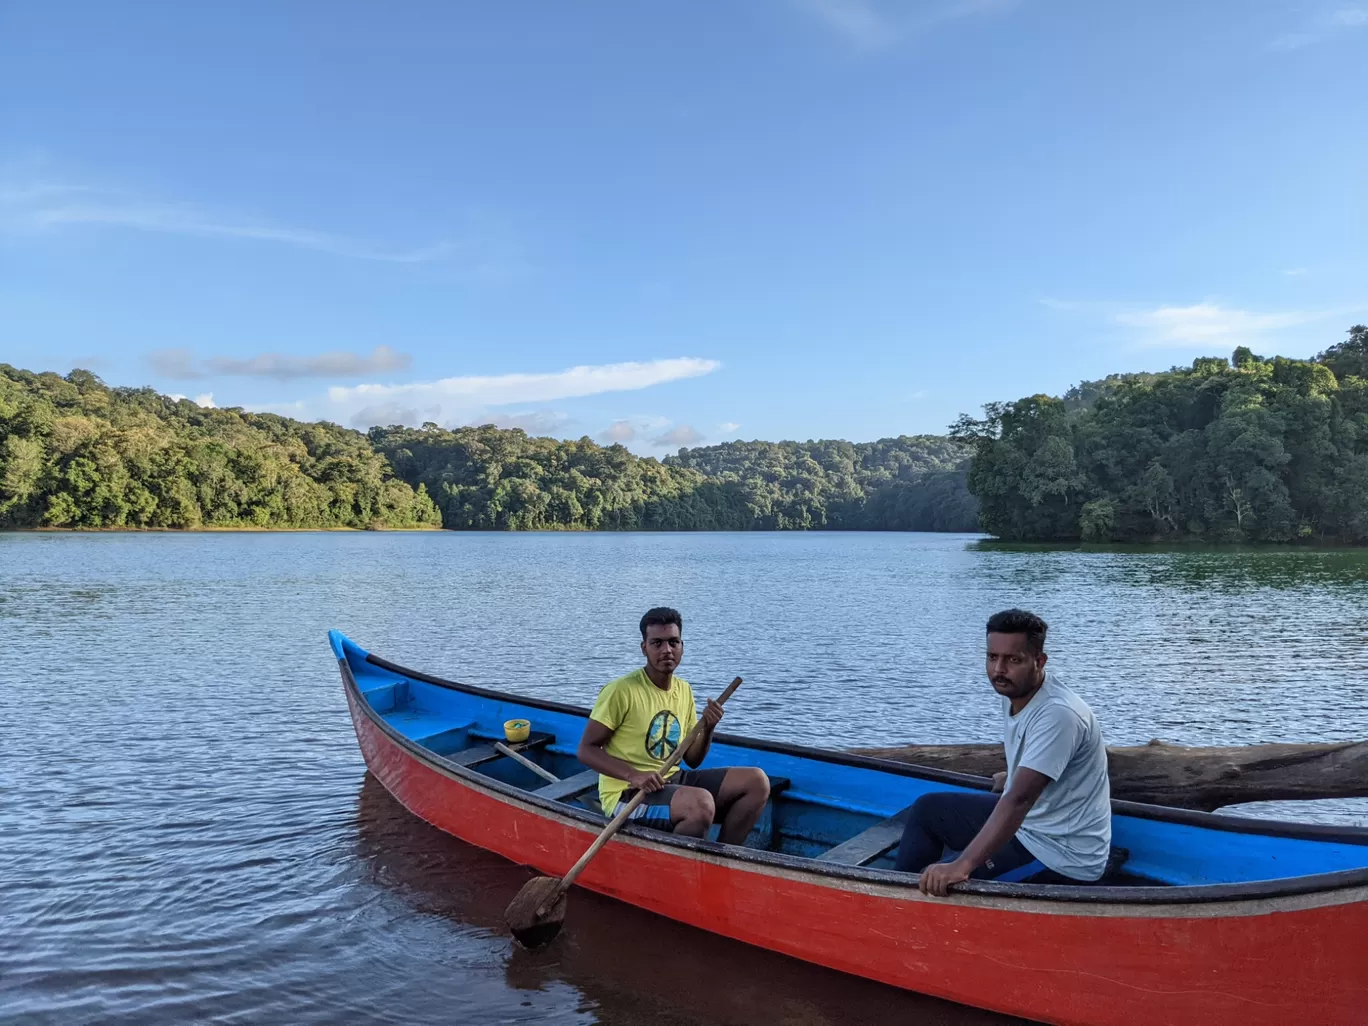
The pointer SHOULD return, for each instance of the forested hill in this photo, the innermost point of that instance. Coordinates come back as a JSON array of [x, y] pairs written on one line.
[[503, 479], [908, 483], [77, 453], [1242, 450], [1250, 449]]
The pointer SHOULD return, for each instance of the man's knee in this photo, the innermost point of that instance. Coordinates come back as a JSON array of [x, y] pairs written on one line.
[[927, 809], [936, 806], [692, 805], [754, 782], [935, 801]]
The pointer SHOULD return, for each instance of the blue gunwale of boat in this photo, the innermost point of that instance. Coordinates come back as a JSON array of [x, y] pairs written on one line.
[[1176, 894]]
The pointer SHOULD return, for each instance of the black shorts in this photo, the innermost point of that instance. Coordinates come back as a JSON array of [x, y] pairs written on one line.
[[654, 811]]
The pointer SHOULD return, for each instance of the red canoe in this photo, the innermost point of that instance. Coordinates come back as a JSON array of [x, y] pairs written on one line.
[[1211, 919]]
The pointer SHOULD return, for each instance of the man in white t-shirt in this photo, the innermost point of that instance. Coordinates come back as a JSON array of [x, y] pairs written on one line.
[[1056, 803]]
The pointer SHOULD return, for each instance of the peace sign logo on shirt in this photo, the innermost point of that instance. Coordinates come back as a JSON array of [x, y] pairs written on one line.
[[662, 737]]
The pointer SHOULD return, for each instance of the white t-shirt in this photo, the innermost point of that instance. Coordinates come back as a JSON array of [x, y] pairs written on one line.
[[1069, 827]]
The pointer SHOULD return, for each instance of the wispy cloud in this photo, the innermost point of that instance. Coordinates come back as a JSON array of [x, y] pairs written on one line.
[[49, 206], [1063, 305], [182, 365], [857, 20], [534, 422], [1295, 272], [204, 399], [680, 435], [875, 24], [384, 414], [177, 364], [728, 428], [504, 389], [618, 431], [457, 400], [1203, 324], [1324, 26], [336, 364]]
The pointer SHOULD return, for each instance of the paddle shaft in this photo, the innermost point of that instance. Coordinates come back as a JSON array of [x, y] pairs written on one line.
[[621, 816], [544, 774]]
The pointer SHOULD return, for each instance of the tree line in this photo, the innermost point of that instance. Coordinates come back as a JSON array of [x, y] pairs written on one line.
[[1249, 449], [494, 479], [76, 453]]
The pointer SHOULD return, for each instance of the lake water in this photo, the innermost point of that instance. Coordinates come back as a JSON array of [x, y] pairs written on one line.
[[187, 829]]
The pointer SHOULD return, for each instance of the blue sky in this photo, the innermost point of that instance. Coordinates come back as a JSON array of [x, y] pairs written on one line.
[[674, 223]]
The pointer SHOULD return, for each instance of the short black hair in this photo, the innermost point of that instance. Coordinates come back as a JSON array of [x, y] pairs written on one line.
[[661, 616], [1018, 621]]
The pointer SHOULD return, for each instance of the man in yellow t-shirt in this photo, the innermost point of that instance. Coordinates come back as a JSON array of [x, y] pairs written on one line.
[[637, 723]]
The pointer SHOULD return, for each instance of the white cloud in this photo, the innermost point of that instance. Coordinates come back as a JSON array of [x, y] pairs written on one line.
[[1295, 40], [385, 414], [858, 20], [534, 422], [681, 435], [182, 365], [457, 400], [618, 431], [728, 428], [1295, 272], [874, 24], [1322, 27], [45, 206], [504, 389], [1205, 324], [299, 409], [177, 364], [332, 364], [204, 399]]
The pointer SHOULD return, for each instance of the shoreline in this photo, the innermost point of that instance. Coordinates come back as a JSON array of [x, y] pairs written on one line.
[[979, 540], [246, 529]]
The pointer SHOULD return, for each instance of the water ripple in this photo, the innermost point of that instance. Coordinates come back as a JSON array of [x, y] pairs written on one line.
[[189, 832]]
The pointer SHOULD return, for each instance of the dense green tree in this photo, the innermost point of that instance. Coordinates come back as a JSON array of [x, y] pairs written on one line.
[[1245, 450], [75, 453], [488, 478]]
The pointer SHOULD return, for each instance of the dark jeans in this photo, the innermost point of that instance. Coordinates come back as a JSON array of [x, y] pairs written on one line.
[[951, 819]]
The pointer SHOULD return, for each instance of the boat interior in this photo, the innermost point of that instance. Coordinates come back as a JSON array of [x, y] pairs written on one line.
[[831, 808]]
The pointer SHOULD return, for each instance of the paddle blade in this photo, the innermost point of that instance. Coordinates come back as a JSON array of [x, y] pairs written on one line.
[[535, 915]]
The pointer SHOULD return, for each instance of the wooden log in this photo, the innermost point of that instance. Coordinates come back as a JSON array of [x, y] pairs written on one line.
[[1188, 778]]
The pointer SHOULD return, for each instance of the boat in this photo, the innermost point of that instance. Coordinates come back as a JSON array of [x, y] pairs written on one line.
[[1201, 918]]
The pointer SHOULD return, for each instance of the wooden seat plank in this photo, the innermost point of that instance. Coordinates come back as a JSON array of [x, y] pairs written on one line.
[[474, 755], [867, 846], [570, 787], [477, 755]]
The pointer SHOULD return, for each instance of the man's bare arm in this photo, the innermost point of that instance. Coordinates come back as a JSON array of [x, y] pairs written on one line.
[[591, 753], [1005, 821]]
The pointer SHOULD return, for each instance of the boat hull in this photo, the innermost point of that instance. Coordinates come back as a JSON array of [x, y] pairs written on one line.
[[1256, 962]]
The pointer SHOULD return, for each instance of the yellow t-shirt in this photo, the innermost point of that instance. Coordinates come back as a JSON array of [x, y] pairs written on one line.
[[647, 723]]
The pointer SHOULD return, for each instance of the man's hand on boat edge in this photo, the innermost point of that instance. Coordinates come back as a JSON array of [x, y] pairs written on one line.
[[937, 879]]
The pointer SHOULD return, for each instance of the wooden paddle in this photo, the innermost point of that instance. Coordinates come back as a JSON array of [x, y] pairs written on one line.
[[535, 915]]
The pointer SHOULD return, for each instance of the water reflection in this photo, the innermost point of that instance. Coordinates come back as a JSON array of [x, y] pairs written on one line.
[[1224, 568], [630, 966], [191, 853]]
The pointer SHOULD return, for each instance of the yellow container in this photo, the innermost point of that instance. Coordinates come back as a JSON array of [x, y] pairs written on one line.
[[517, 730]]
